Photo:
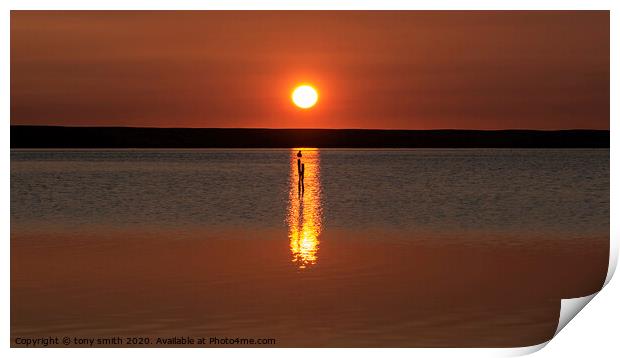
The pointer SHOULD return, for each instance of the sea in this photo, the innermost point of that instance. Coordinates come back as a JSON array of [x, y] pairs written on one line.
[[381, 248]]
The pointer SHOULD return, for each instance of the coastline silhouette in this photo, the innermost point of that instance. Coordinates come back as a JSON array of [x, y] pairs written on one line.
[[23, 136]]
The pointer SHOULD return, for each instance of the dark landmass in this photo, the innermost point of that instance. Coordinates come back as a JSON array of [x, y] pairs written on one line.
[[134, 137]]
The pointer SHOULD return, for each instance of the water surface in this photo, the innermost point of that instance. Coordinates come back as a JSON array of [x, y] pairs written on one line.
[[465, 247]]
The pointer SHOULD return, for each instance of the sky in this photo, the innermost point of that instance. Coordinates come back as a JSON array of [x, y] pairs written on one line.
[[372, 69]]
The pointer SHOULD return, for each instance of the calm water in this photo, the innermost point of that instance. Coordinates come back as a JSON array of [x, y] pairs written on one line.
[[383, 248]]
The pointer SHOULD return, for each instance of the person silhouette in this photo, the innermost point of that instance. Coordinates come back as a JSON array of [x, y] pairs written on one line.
[[300, 172]]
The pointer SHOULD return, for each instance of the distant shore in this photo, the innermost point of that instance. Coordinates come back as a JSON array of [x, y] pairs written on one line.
[[142, 137]]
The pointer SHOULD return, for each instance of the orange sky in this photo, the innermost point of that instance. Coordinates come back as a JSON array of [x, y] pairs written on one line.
[[405, 69]]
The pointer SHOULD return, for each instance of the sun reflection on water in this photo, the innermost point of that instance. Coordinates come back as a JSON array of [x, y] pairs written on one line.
[[304, 216]]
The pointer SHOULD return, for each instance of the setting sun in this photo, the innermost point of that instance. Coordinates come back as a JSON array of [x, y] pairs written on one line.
[[305, 96]]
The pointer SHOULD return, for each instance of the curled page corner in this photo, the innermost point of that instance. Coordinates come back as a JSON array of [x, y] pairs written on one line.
[[570, 307], [568, 310]]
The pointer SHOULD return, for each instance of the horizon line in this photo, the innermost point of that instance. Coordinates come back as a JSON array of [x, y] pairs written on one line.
[[285, 128]]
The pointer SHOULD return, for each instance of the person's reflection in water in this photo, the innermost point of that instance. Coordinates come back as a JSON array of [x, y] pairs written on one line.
[[304, 216]]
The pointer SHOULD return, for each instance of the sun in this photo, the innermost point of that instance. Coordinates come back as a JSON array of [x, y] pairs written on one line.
[[304, 96]]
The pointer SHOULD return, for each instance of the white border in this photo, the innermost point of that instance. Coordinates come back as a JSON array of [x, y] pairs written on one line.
[[593, 334]]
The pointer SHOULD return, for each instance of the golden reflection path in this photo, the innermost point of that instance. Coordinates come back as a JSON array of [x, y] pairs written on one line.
[[304, 217]]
